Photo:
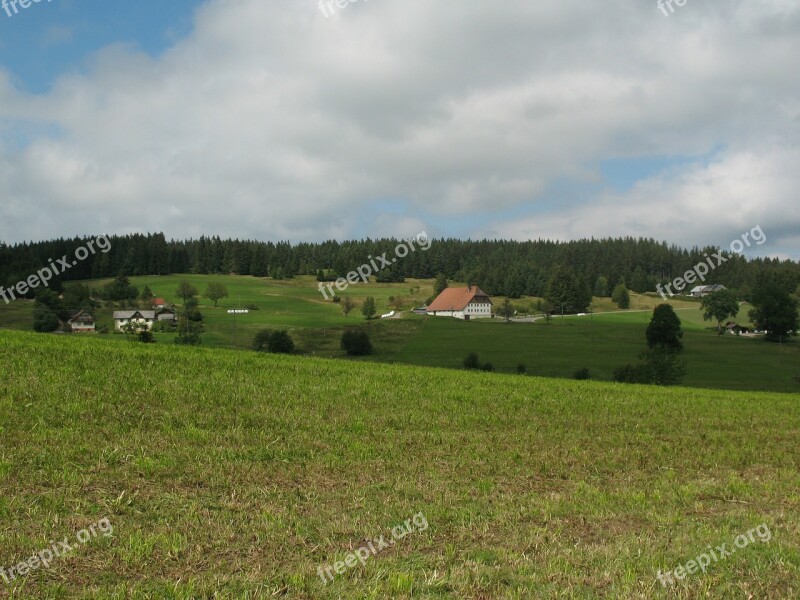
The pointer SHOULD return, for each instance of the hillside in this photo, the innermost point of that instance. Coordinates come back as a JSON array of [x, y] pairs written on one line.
[[601, 343], [239, 475]]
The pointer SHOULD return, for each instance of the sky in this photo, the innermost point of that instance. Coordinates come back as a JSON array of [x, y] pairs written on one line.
[[300, 121]]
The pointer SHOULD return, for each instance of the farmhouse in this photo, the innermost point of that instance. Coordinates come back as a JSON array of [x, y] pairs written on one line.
[[140, 318], [166, 314], [462, 303], [82, 322], [701, 291]]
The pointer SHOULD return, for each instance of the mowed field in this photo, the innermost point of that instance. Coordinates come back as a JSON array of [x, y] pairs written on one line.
[[236, 475], [601, 342]]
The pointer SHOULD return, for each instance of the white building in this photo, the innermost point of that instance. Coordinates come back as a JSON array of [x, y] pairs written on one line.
[[143, 319], [462, 303], [701, 291], [82, 322]]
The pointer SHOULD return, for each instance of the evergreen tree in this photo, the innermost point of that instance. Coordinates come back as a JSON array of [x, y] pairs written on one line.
[[664, 330], [368, 309]]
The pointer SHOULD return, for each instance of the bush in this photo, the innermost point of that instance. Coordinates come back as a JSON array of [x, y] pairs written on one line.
[[582, 374], [280, 342], [489, 367], [631, 374], [163, 327], [522, 369], [356, 342], [472, 361], [621, 297], [261, 339], [251, 306], [146, 337], [188, 339], [45, 321], [661, 366]]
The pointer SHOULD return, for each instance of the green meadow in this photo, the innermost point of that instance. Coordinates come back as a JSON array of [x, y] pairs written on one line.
[[231, 474], [600, 342]]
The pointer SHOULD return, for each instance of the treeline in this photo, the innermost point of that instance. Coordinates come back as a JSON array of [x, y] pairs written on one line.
[[507, 268]]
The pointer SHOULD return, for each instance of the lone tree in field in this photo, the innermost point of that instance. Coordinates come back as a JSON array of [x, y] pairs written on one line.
[[664, 330], [280, 342], [440, 285], [216, 292], [347, 305], [261, 339], [368, 310], [621, 297], [720, 305], [472, 361], [506, 310], [774, 309], [356, 342], [186, 291]]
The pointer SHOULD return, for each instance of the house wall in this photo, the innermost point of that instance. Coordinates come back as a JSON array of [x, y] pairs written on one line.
[[479, 310], [458, 314]]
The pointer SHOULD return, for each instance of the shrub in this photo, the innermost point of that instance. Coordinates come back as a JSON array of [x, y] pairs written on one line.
[[146, 337], [621, 297], [280, 342], [631, 374], [188, 339], [163, 327], [261, 339], [44, 320], [472, 361], [489, 367], [582, 374], [522, 369], [356, 342]]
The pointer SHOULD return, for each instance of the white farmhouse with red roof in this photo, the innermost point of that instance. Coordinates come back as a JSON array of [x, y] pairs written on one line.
[[466, 303]]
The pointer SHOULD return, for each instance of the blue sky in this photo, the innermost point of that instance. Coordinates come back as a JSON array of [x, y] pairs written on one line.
[[264, 119], [51, 38]]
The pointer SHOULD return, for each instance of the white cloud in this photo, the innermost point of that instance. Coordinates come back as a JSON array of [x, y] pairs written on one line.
[[700, 205], [271, 121]]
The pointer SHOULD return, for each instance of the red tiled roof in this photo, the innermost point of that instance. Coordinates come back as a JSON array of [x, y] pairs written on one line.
[[456, 298], [158, 301]]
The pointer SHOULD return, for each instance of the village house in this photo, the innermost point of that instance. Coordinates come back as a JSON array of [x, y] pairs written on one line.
[[701, 291], [466, 303], [166, 314], [141, 318], [82, 322]]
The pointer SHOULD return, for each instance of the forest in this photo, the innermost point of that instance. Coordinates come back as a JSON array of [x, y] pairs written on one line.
[[500, 267]]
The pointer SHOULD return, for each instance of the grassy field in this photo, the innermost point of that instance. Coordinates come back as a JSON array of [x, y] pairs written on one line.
[[236, 475], [602, 342]]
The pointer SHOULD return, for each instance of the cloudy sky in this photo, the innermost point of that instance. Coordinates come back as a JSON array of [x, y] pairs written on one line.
[[520, 119]]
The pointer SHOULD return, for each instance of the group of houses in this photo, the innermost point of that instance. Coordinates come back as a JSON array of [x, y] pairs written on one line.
[[85, 322]]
